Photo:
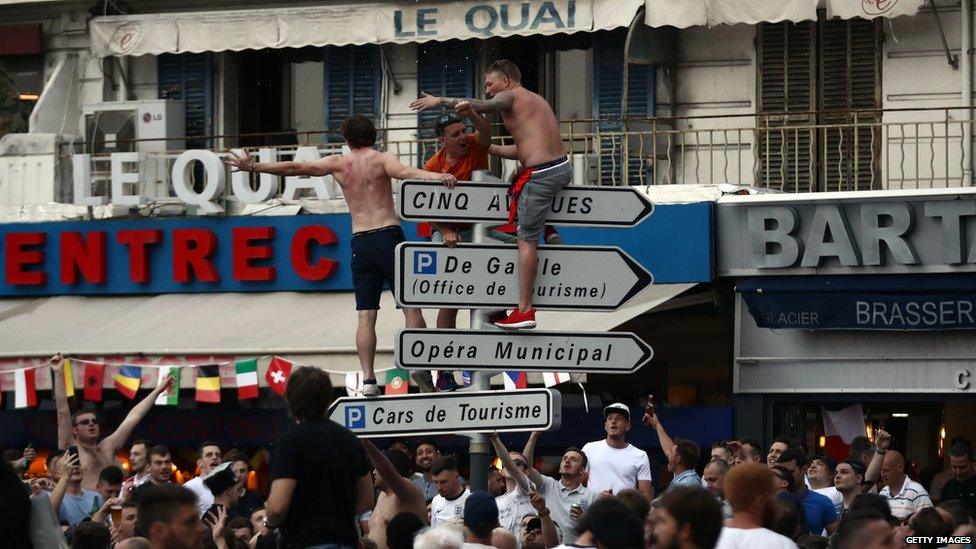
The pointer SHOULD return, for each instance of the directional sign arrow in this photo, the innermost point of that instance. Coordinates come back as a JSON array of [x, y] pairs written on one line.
[[473, 202], [441, 413], [582, 278], [585, 352]]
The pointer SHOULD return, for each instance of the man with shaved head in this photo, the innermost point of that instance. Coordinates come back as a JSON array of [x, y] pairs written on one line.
[[904, 495]]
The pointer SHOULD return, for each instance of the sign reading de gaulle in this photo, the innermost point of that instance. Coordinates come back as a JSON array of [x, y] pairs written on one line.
[[582, 278], [589, 352], [442, 413], [592, 206]]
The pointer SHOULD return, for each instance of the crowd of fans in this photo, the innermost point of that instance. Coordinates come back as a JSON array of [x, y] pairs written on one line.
[[330, 489]]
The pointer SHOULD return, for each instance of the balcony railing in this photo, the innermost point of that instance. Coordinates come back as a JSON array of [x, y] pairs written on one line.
[[795, 152]]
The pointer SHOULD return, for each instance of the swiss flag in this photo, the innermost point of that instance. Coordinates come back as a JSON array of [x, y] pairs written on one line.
[[94, 375], [277, 374]]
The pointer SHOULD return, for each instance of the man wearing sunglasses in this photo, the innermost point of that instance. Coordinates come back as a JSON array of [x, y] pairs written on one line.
[[82, 428], [546, 169]]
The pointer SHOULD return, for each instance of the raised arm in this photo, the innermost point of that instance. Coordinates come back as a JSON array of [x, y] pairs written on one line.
[[501, 102], [667, 444], [509, 465], [116, 440], [395, 170], [481, 124], [65, 464], [504, 151], [244, 163], [402, 487], [883, 441], [549, 535], [65, 438], [529, 450]]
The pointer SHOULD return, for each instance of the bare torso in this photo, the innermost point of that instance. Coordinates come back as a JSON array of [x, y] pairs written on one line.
[[367, 189], [387, 507], [93, 459], [532, 123]]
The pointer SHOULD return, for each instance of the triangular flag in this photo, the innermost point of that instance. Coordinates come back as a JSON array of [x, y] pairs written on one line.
[[128, 379], [69, 379], [208, 383], [247, 378], [172, 396], [515, 380], [25, 389], [554, 378], [277, 374], [397, 382], [94, 379], [354, 384]]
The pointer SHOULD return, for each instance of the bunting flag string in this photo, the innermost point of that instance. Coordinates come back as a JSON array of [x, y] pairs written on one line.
[[128, 379]]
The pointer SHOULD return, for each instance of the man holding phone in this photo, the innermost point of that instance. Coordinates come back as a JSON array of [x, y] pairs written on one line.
[[82, 429]]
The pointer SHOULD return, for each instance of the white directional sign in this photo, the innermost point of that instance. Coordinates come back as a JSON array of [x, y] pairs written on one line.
[[582, 278], [444, 413], [588, 352], [476, 202]]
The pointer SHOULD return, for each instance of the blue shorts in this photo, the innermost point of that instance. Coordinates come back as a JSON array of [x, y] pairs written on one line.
[[374, 264]]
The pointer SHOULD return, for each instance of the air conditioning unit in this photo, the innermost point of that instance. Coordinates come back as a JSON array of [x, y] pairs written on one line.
[[154, 127]]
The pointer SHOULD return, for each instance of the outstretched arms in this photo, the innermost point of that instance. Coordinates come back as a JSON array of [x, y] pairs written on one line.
[[396, 170], [501, 102], [116, 440], [314, 168], [504, 151]]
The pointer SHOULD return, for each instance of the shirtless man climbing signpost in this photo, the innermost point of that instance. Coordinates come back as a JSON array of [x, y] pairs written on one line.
[[545, 168], [364, 175]]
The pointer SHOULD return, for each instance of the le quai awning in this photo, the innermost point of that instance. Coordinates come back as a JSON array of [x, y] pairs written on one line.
[[352, 23], [690, 13], [308, 328]]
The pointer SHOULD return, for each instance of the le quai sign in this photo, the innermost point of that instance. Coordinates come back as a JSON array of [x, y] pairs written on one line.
[[916, 233]]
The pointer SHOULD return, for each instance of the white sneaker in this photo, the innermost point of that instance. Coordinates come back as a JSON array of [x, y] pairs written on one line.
[[370, 388]]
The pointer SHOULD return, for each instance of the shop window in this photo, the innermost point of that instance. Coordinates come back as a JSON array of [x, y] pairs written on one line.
[[445, 69], [353, 79], [608, 71], [189, 77]]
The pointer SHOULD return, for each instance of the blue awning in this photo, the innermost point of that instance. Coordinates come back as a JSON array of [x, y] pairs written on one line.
[[884, 302]]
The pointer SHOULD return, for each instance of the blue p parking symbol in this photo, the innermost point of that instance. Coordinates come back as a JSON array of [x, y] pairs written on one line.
[[356, 417], [425, 263]]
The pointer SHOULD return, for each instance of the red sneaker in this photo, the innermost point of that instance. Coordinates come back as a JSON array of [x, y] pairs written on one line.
[[518, 320]]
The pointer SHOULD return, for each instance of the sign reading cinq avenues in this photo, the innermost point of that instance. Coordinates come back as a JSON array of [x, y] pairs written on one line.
[[441, 413], [892, 233]]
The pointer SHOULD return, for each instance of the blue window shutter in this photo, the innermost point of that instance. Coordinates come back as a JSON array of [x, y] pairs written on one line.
[[444, 69], [189, 77], [608, 70], [352, 85]]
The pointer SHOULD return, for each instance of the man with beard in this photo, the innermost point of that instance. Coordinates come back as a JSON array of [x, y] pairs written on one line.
[[751, 491], [160, 472], [567, 499], [82, 429], [396, 493], [615, 464], [424, 457], [447, 507], [168, 516], [209, 457], [688, 518]]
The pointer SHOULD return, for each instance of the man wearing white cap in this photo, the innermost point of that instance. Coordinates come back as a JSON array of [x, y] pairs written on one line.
[[614, 464]]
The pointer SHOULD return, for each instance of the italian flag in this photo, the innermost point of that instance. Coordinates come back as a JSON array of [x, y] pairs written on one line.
[[247, 378]]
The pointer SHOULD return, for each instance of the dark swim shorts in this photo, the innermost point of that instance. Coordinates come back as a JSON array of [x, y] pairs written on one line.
[[373, 264]]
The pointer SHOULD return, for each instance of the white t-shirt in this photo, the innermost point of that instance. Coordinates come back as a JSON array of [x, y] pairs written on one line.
[[835, 496], [560, 499], [204, 498], [573, 546], [448, 511], [468, 545], [512, 506], [617, 468], [752, 538]]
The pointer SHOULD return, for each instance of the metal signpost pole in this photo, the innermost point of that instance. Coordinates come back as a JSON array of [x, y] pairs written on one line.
[[478, 449]]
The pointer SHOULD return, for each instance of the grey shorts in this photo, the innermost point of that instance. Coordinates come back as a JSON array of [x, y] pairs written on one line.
[[535, 198]]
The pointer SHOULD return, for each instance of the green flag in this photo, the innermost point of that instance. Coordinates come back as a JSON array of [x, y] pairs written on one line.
[[172, 397]]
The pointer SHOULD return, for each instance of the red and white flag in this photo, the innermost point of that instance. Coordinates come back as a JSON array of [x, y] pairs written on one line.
[[515, 380], [277, 375], [25, 388], [554, 378]]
